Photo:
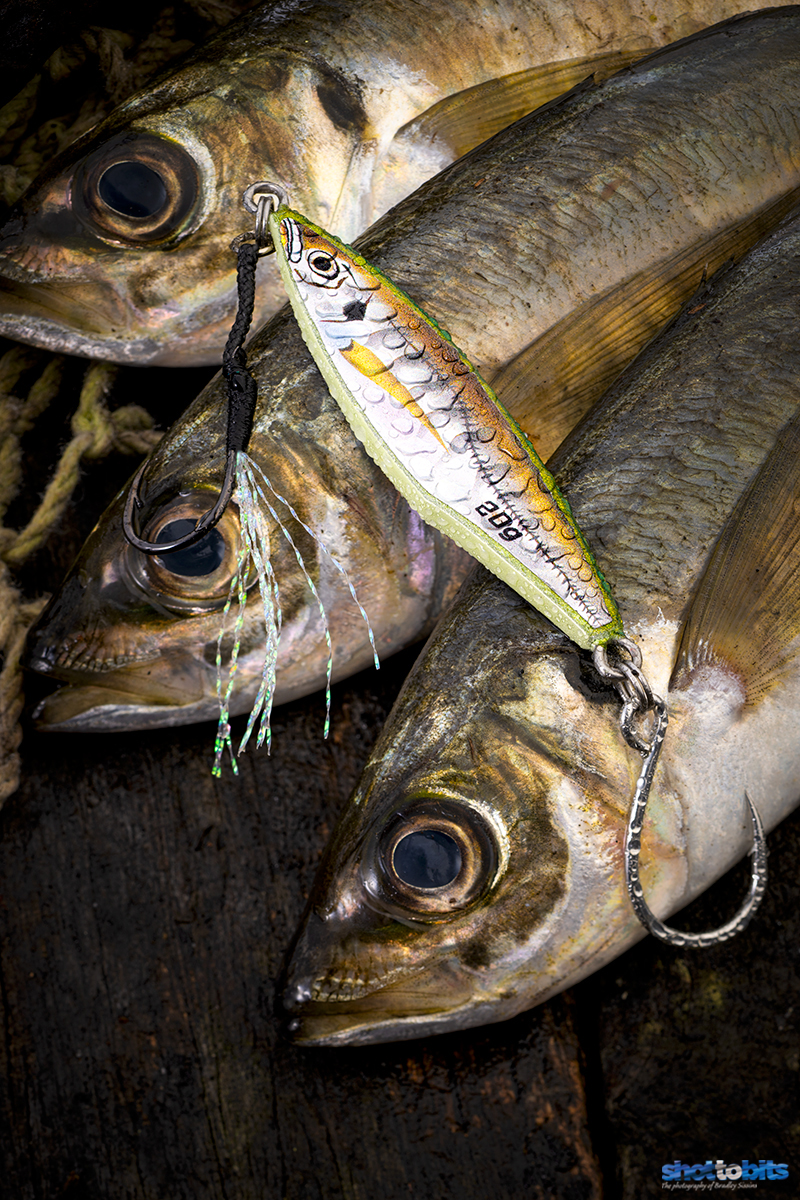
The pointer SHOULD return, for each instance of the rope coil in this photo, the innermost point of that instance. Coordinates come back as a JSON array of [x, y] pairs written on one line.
[[96, 432]]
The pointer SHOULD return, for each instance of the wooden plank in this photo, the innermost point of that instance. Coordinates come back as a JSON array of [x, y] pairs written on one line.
[[146, 911], [697, 1053]]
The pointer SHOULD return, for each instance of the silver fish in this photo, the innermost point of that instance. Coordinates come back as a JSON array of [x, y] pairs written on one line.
[[478, 867], [539, 227], [120, 249]]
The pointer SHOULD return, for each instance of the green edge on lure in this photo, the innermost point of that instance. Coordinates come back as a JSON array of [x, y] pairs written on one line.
[[438, 431]]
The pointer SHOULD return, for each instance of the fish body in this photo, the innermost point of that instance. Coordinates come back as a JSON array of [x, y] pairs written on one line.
[[623, 190], [504, 749], [121, 249]]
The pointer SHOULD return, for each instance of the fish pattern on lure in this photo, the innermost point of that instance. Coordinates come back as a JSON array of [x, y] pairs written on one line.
[[438, 431]]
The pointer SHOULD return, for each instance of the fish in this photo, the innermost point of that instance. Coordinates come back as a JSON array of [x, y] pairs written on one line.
[[478, 868], [518, 239], [120, 250]]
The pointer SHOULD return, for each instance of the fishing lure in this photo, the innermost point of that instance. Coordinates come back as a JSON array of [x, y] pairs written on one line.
[[437, 430]]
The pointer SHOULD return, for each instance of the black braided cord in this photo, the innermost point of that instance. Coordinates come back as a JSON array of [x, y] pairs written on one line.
[[242, 394], [242, 387]]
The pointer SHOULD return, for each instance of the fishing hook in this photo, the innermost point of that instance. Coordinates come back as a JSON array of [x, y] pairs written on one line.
[[260, 199], [639, 699]]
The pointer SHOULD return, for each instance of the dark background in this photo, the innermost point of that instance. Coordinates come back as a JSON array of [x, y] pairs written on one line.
[[145, 910]]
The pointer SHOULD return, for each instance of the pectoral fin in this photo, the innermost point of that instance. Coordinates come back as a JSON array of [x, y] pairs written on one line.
[[745, 614]]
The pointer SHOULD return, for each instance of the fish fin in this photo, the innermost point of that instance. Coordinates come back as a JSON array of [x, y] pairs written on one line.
[[555, 380], [453, 126], [469, 117], [745, 614]]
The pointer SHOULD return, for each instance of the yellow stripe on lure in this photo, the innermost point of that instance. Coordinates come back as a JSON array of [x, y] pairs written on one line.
[[438, 431]]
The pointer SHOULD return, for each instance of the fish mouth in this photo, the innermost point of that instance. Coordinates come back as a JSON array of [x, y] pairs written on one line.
[[89, 317], [96, 709], [434, 999], [351, 979], [173, 690], [111, 679], [41, 315], [51, 317]]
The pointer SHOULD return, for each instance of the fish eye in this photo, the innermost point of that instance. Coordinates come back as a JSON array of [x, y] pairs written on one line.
[[435, 857], [201, 558], [136, 189], [133, 189], [192, 579], [426, 858], [322, 264]]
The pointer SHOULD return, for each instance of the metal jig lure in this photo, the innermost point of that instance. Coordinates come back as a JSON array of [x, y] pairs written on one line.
[[437, 430]]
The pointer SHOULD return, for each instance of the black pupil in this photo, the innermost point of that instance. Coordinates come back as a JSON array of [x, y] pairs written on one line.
[[321, 263], [200, 559], [427, 858], [133, 189]]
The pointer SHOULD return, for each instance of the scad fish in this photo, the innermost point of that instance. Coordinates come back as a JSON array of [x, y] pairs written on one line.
[[120, 249]]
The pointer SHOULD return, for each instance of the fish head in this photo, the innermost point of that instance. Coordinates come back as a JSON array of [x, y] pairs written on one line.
[[135, 636], [478, 869], [121, 249]]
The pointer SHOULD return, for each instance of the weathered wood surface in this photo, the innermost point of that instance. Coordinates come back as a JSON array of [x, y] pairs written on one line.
[[146, 913]]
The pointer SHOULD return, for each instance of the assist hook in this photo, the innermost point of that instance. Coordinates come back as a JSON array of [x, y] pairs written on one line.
[[637, 700], [260, 199]]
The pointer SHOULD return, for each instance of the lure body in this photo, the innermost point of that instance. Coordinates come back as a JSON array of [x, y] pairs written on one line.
[[438, 431]]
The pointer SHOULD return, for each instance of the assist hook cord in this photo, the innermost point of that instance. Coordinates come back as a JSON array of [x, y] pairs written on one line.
[[638, 700], [260, 199]]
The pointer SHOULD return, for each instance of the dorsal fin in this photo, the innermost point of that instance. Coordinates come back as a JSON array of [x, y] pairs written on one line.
[[555, 380], [745, 614], [469, 117]]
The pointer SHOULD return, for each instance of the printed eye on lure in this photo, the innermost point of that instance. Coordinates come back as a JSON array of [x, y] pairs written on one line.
[[441, 436]]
